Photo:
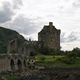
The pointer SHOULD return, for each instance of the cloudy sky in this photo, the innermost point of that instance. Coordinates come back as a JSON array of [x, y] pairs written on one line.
[[29, 16]]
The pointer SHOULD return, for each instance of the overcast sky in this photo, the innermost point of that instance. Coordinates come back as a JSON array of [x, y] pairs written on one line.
[[29, 16]]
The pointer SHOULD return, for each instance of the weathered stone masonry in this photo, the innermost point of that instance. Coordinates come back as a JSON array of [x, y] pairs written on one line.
[[50, 36]]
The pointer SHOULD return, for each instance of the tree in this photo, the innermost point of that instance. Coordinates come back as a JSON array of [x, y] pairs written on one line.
[[76, 51]]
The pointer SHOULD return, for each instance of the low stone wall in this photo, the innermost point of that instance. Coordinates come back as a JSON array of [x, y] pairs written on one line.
[[14, 62]]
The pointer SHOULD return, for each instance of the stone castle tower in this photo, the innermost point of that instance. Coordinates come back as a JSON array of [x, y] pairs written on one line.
[[50, 37]]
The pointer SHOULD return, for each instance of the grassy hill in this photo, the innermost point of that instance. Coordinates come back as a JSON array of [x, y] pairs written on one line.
[[5, 36]]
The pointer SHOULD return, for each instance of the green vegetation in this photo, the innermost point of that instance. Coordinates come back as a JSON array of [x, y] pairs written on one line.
[[10, 78], [65, 60], [5, 36], [57, 61]]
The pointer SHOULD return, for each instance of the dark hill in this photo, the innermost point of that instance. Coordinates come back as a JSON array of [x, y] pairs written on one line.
[[5, 36]]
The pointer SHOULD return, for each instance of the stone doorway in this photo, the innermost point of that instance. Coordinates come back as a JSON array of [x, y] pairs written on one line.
[[24, 63], [31, 53], [19, 64], [12, 65]]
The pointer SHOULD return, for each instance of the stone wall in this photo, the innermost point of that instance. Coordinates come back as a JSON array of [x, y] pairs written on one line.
[[50, 36], [14, 62], [4, 63]]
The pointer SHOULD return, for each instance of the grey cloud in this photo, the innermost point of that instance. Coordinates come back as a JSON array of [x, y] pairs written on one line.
[[23, 25], [73, 36], [76, 3], [63, 37], [6, 12], [17, 4]]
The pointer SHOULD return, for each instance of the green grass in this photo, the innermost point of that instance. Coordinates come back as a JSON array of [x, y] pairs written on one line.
[[44, 58], [57, 61]]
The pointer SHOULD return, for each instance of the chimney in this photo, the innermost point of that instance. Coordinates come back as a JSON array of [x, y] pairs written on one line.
[[50, 23]]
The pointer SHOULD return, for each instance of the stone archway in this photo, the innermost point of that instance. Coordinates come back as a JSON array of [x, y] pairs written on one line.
[[32, 54], [19, 64], [12, 65], [24, 63]]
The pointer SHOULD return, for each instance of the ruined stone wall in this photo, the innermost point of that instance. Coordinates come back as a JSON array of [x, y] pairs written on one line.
[[50, 36], [16, 46], [14, 62], [13, 46], [30, 47], [4, 63]]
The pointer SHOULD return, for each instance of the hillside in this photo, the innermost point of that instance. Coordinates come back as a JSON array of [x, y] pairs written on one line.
[[5, 36]]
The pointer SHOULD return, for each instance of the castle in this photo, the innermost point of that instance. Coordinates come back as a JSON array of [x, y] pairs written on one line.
[[50, 37], [20, 51]]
